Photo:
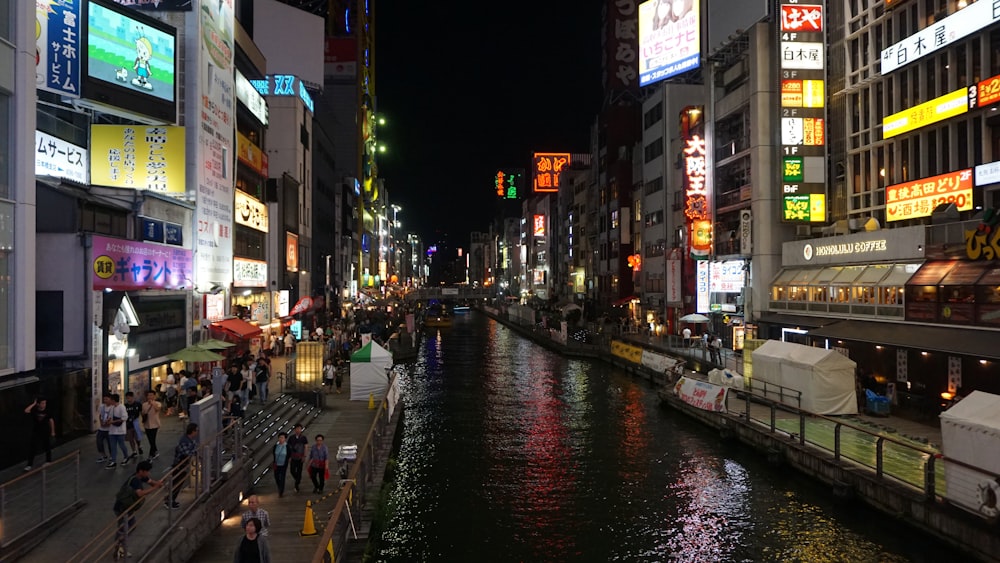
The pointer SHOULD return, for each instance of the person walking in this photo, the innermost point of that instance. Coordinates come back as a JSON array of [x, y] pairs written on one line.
[[297, 443], [329, 371], [319, 464], [338, 378], [130, 497], [717, 349], [117, 431], [150, 416], [253, 546], [279, 463], [104, 427], [133, 429], [255, 511], [289, 343], [43, 428], [247, 373], [686, 335], [263, 374], [184, 456]]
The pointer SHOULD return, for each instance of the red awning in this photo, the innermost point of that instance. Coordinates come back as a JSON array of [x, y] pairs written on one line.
[[239, 327], [624, 300]]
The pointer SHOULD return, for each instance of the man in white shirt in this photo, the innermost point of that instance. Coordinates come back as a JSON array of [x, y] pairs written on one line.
[[686, 334], [116, 432]]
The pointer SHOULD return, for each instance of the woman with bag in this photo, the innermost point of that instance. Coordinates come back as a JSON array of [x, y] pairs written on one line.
[[319, 464], [279, 462]]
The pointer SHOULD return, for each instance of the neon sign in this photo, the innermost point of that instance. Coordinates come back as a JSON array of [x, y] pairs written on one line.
[[284, 85], [696, 197], [539, 225], [547, 171], [918, 198]]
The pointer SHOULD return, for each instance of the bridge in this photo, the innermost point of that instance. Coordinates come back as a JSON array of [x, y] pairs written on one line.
[[450, 293]]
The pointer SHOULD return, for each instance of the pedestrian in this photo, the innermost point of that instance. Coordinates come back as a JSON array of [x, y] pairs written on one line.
[[236, 408], [43, 429], [686, 335], [319, 464], [151, 422], [255, 511], [279, 462], [263, 374], [253, 547], [234, 380], [170, 392], [717, 348], [328, 375], [133, 430], [184, 456], [117, 431], [104, 426], [297, 443], [289, 342], [274, 345], [190, 398], [247, 373], [338, 378], [130, 497]]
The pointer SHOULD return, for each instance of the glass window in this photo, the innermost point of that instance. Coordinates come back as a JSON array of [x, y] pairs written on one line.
[[5, 144], [5, 17]]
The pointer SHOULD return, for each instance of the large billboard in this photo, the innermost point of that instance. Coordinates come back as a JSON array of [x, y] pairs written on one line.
[[669, 39], [131, 61], [919, 198], [802, 83], [939, 109], [939, 35], [142, 157], [211, 139], [621, 43], [58, 46], [128, 265]]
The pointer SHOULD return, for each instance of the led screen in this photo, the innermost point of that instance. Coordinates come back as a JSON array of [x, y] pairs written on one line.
[[130, 53]]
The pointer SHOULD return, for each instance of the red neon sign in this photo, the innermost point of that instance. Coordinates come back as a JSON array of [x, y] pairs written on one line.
[[547, 170]]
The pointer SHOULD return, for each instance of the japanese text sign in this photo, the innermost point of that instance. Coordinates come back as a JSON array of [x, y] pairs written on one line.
[[57, 46], [249, 273], [726, 277], [508, 182], [291, 252], [58, 158], [810, 208], [696, 190], [918, 198], [250, 212], [250, 154], [127, 265], [985, 93], [669, 39], [802, 94], [802, 55], [547, 170], [801, 17], [701, 395], [538, 225], [143, 157], [621, 42], [251, 98], [940, 34], [938, 109]]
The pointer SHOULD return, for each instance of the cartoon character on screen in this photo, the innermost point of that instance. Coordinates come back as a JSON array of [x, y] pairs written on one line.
[[143, 52]]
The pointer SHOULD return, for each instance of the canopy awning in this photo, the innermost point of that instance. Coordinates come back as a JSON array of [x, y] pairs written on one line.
[[979, 343], [624, 300], [239, 327]]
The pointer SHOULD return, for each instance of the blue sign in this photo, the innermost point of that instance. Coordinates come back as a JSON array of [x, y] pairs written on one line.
[[57, 47], [174, 234], [284, 85], [152, 230]]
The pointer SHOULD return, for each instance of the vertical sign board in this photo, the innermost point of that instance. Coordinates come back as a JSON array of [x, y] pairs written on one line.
[[802, 52], [696, 197], [211, 139], [547, 169], [58, 46]]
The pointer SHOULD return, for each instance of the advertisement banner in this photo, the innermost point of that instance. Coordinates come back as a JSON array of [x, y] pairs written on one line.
[[249, 153], [60, 159], [918, 198], [703, 292], [700, 394], [250, 212], [669, 39], [291, 252], [212, 142], [674, 282], [627, 352], [939, 35], [938, 109], [127, 265], [57, 46], [249, 273], [251, 98], [340, 57], [141, 157]]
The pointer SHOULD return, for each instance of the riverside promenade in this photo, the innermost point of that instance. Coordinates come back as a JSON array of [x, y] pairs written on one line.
[[341, 421]]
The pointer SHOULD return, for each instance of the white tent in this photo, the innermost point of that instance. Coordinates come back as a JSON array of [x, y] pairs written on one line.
[[824, 377], [369, 372], [970, 433]]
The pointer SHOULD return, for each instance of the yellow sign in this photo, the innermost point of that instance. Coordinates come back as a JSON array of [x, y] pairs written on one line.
[[626, 351], [104, 267], [250, 154], [141, 157], [802, 94], [938, 109], [919, 198]]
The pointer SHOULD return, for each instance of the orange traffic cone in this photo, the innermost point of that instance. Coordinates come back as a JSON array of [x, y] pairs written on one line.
[[308, 527], [371, 401]]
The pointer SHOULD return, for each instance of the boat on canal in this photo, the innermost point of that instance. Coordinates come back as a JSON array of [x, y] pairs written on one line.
[[437, 316]]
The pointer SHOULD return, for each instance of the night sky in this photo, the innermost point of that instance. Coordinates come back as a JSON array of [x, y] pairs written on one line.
[[467, 89]]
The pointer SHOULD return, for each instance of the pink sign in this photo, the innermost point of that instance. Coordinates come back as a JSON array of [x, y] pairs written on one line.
[[128, 265]]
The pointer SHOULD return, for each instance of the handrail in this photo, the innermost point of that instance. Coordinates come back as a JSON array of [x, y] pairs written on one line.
[[346, 496], [46, 513]]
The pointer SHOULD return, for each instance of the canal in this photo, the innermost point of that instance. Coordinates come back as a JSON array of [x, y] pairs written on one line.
[[511, 452]]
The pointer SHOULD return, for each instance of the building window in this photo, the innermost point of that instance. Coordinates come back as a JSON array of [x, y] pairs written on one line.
[[6, 9], [653, 116], [103, 221], [653, 150], [6, 285]]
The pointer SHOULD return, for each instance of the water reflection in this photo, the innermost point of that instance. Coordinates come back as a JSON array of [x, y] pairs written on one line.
[[512, 453]]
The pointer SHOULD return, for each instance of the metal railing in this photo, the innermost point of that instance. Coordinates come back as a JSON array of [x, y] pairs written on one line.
[[355, 488], [189, 482], [39, 496]]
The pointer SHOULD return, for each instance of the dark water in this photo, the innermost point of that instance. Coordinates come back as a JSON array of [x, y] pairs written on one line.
[[513, 453]]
